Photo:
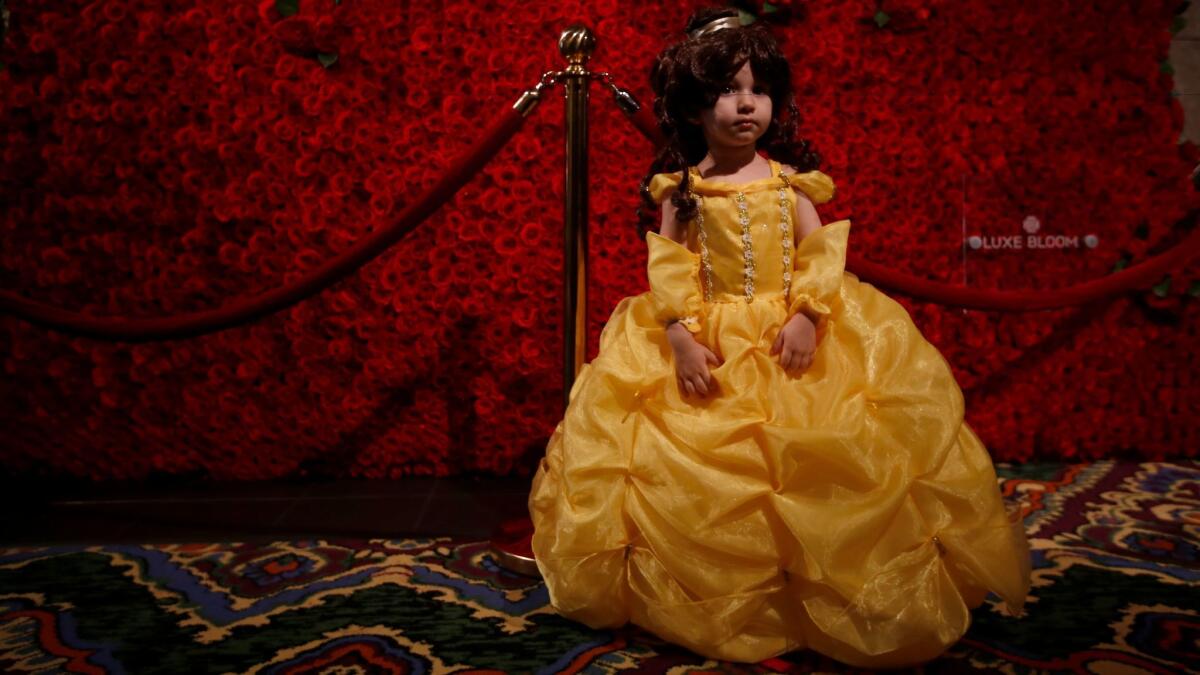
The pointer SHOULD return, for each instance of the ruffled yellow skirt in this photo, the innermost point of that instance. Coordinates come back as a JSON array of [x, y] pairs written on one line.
[[848, 510]]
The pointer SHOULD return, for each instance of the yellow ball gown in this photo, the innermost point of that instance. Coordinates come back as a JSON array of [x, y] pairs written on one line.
[[848, 509]]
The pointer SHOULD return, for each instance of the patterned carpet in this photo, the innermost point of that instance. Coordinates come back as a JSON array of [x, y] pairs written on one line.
[[1116, 589]]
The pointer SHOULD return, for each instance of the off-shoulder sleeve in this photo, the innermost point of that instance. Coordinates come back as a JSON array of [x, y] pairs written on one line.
[[662, 184], [818, 187], [817, 271], [674, 273]]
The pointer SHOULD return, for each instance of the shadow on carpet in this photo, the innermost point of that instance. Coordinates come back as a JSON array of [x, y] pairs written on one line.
[[1116, 588]]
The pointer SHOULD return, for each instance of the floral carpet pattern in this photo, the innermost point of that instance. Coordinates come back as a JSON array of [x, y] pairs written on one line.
[[1116, 588]]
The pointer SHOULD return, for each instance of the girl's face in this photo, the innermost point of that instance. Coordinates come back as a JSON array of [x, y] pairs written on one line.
[[741, 114]]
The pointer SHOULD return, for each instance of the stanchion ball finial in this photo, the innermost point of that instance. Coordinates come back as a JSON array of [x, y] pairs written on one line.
[[577, 43]]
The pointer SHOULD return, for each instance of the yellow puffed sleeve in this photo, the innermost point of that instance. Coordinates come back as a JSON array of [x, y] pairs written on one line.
[[674, 274], [817, 270], [662, 184], [818, 187]]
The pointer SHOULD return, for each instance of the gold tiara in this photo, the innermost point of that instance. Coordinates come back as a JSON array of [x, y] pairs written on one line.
[[716, 25]]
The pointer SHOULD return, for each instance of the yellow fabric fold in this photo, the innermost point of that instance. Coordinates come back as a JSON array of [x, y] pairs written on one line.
[[663, 184], [817, 186], [817, 269], [674, 274]]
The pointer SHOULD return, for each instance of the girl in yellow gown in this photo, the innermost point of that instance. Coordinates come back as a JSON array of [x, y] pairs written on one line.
[[766, 454]]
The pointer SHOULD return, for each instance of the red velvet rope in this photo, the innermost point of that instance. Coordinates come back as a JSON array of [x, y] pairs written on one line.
[[644, 120], [246, 310], [1136, 277]]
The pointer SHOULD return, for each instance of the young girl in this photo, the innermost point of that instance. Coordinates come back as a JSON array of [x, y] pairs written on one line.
[[766, 454]]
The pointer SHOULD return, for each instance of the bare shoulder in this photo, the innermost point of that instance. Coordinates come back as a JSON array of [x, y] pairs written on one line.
[[807, 220]]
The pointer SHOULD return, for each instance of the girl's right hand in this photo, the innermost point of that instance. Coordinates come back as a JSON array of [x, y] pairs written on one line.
[[691, 361]]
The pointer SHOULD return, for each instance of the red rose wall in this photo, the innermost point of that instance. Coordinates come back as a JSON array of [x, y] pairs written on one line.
[[168, 157]]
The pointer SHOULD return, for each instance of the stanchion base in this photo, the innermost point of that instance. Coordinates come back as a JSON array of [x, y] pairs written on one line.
[[513, 549]]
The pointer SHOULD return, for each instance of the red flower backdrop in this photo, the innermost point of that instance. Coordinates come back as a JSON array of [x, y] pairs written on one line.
[[160, 158]]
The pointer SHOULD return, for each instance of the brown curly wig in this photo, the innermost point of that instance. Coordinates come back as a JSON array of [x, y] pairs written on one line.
[[688, 76]]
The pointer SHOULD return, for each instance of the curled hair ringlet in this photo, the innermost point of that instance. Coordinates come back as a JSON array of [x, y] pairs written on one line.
[[687, 78]]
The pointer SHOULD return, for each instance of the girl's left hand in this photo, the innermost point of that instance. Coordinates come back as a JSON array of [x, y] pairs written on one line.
[[796, 344]]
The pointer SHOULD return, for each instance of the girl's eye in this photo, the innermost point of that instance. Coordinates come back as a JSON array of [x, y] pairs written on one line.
[[756, 91]]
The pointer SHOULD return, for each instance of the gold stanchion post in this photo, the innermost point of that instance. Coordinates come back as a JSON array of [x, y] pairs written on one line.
[[511, 542], [576, 45]]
